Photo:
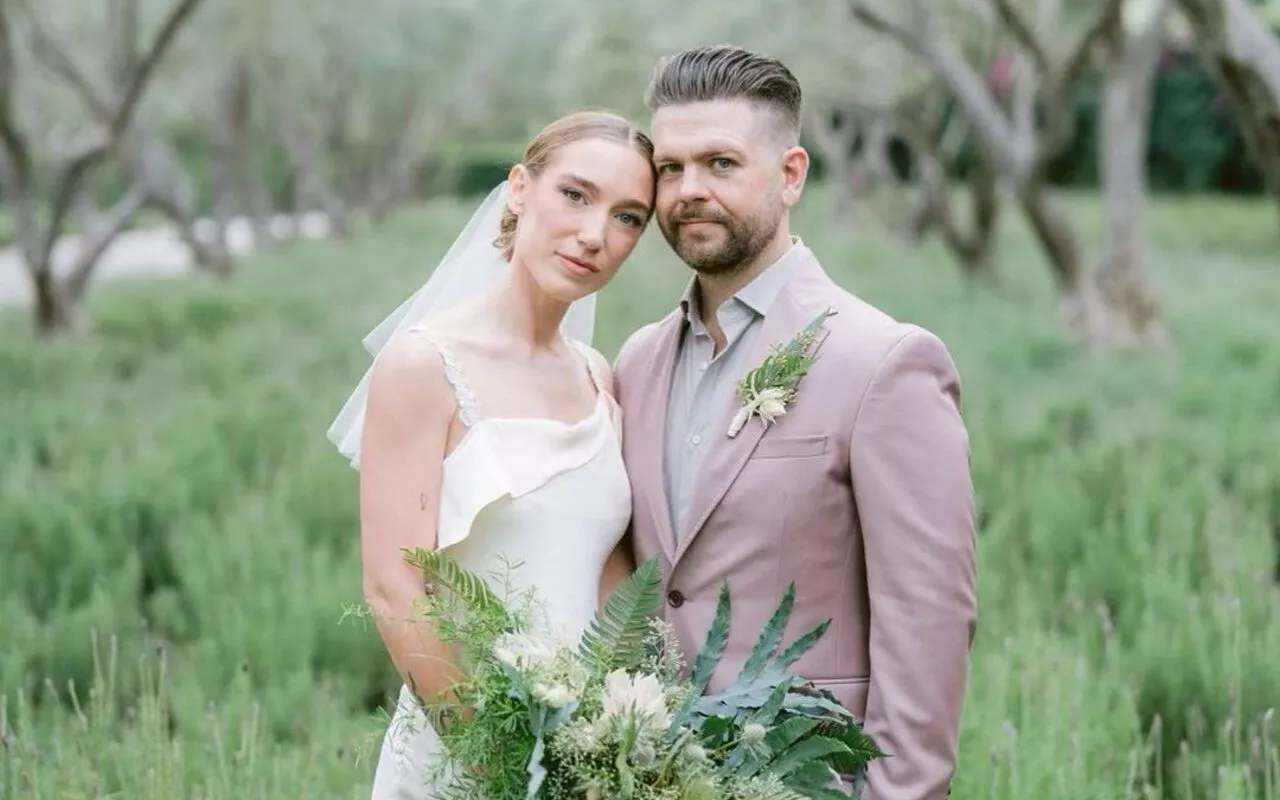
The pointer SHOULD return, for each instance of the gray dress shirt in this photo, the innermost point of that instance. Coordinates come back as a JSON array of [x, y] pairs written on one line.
[[704, 382]]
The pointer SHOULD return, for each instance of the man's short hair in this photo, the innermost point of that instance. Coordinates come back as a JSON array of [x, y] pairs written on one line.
[[726, 72]]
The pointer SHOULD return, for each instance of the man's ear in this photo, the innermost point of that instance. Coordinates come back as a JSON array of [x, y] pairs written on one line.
[[795, 170]]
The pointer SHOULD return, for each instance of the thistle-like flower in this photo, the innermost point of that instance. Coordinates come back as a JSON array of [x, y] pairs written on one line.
[[641, 695], [768, 404]]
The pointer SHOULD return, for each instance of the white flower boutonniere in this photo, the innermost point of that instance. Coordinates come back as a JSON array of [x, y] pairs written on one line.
[[767, 390]]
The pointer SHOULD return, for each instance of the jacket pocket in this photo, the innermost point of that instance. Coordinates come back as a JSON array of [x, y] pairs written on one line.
[[791, 446]]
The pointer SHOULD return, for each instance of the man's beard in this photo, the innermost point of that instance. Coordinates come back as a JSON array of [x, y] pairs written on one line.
[[743, 239]]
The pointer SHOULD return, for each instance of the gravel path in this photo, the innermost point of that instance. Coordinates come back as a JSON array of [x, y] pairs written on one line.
[[146, 253]]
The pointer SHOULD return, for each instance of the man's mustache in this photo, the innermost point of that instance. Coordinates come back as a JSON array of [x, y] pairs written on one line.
[[704, 214]]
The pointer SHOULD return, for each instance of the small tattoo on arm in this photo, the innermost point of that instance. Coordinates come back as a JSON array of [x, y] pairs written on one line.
[[423, 501]]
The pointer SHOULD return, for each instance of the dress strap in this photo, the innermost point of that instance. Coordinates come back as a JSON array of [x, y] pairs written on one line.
[[468, 405], [592, 372]]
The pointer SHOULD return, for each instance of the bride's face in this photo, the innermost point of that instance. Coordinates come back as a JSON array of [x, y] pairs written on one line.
[[581, 216]]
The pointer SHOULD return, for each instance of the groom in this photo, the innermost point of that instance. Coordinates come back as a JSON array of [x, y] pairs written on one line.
[[859, 489]]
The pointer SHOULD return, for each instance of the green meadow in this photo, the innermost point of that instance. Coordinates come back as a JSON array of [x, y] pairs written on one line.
[[180, 539]]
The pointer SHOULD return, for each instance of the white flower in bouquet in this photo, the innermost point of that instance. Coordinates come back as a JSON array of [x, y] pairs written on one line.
[[524, 651], [641, 695], [753, 733], [554, 695]]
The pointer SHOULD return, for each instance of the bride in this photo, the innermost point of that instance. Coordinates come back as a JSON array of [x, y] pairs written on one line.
[[486, 424]]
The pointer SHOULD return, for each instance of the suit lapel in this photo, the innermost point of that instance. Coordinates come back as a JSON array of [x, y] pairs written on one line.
[[728, 456], [652, 424]]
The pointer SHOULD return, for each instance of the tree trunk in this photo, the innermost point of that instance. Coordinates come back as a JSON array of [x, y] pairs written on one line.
[[971, 245], [1080, 311], [1244, 54], [56, 312], [56, 308], [168, 187], [1126, 288], [238, 191]]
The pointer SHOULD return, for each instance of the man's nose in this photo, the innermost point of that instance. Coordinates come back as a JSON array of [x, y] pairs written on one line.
[[692, 187]]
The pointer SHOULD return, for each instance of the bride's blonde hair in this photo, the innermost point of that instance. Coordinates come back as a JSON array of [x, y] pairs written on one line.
[[569, 129]]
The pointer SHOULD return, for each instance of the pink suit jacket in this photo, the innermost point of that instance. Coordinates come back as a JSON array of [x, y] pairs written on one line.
[[860, 494]]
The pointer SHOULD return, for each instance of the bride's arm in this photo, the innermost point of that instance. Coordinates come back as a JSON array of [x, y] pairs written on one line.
[[407, 417], [616, 568]]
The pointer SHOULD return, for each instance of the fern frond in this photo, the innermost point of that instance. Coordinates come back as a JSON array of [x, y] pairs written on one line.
[[616, 636], [440, 570]]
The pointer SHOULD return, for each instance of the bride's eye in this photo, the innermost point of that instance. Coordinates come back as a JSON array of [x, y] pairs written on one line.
[[574, 195]]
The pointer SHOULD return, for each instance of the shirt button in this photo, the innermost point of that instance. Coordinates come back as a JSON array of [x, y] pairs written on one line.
[[696, 438], [674, 598]]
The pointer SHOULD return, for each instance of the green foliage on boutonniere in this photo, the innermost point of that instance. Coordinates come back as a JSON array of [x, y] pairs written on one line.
[[767, 389]]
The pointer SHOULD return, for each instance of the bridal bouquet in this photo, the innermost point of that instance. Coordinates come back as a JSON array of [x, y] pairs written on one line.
[[609, 717]]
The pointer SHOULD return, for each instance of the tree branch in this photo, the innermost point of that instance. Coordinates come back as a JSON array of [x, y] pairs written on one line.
[[1059, 117], [146, 67], [15, 155], [1078, 56], [122, 36], [1023, 31], [95, 243], [968, 86], [908, 37], [17, 160], [106, 134], [58, 61]]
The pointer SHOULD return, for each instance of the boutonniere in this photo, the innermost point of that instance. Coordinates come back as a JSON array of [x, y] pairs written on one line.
[[767, 390]]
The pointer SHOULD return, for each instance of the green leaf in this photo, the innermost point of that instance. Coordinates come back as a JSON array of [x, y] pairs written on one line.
[[784, 366], [704, 664], [816, 703], [814, 780], [769, 711], [771, 636], [736, 698], [811, 750], [862, 750], [616, 636], [788, 733], [802, 644]]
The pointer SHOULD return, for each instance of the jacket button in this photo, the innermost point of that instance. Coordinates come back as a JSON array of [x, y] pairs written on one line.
[[675, 599]]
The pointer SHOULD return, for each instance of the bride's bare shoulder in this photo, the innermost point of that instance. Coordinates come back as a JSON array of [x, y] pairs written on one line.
[[408, 378]]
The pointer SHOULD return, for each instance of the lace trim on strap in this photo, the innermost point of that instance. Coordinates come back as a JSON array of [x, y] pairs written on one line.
[[468, 405]]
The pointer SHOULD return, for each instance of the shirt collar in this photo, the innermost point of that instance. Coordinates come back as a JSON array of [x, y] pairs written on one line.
[[758, 295]]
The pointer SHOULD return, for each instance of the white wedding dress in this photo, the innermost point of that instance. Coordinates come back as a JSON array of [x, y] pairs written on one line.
[[540, 502]]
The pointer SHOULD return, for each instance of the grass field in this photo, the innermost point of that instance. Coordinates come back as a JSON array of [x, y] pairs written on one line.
[[179, 538]]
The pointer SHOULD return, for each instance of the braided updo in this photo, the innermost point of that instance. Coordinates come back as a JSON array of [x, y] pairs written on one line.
[[567, 130]]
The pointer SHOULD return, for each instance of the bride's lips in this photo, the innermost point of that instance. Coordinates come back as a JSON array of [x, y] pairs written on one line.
[[577, 266]]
